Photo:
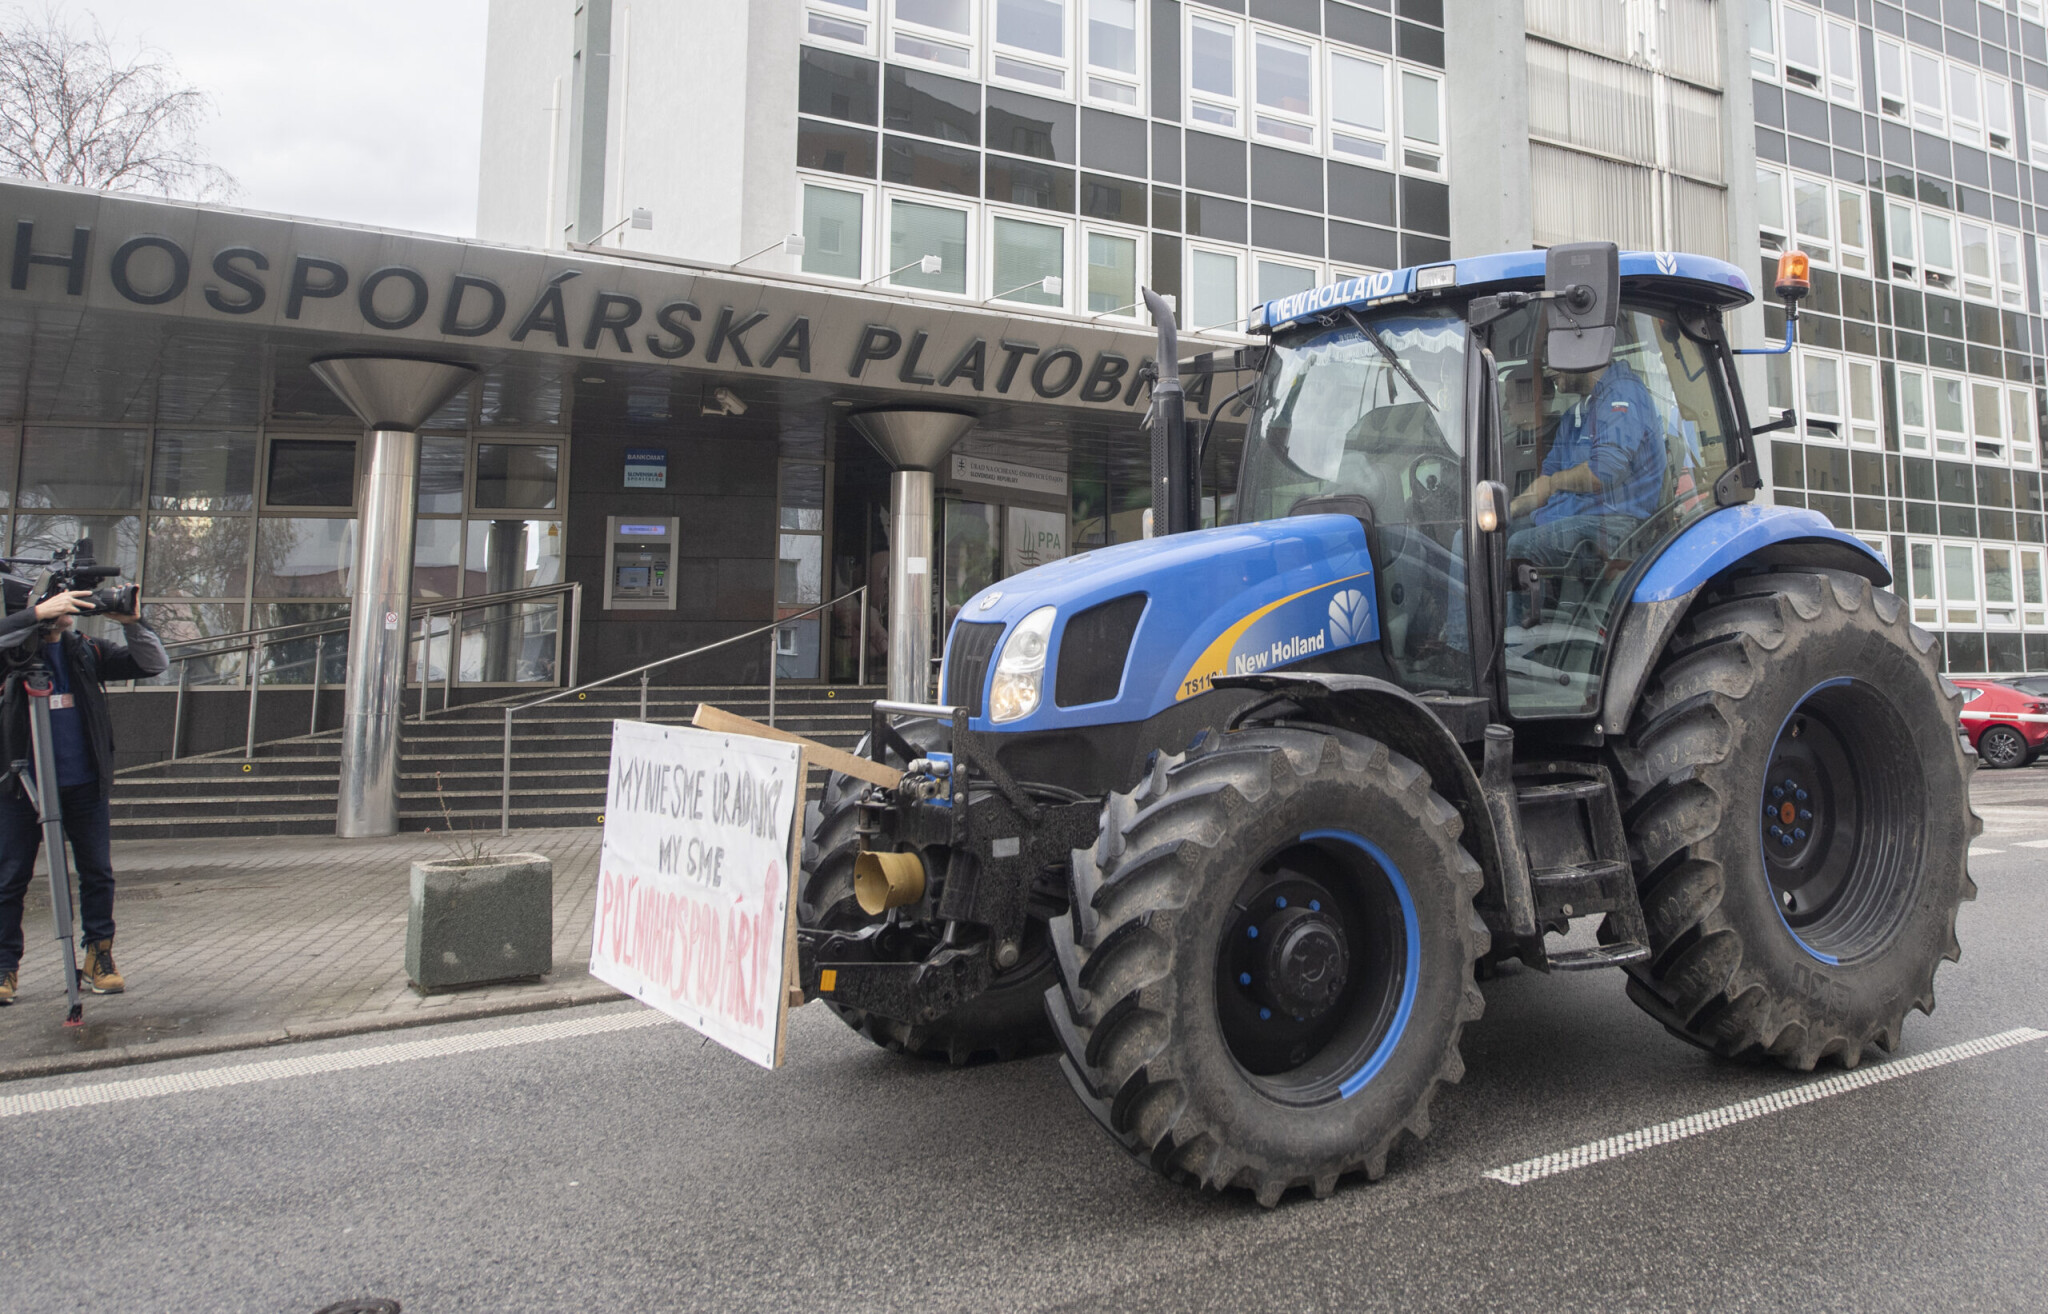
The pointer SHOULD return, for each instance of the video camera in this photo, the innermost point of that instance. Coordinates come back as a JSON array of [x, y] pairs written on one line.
[[68, 569]]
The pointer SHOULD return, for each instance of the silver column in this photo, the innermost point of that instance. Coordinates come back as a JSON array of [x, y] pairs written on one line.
[[910, 585], [916, 443], [392, 397]]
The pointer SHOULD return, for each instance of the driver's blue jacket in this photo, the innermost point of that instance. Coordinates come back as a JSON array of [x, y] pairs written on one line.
[[1618, 432]]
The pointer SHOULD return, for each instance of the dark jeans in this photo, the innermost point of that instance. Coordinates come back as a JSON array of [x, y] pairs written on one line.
[[21, 835]]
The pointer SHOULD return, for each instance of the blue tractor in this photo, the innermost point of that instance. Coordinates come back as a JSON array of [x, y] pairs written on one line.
[[1235, 817]]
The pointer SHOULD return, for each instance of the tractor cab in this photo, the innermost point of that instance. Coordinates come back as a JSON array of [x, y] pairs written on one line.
[[1512, 484]]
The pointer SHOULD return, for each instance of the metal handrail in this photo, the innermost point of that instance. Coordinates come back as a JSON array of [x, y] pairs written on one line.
[[256, 640], [239, 639], [772, 629]]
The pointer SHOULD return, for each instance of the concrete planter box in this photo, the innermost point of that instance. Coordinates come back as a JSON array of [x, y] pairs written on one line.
[[480, 921]]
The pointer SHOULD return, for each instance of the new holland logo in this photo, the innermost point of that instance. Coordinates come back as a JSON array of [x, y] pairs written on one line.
[[1348, 617]]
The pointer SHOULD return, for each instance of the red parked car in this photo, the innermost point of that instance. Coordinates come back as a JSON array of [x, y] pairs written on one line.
[[2009, 726]]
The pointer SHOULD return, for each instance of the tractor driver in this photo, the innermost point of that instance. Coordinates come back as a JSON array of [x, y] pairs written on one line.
[[1603, 475]]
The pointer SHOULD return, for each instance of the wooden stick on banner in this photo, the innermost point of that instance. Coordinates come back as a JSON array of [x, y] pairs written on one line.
[[815, 753], [793, 989]]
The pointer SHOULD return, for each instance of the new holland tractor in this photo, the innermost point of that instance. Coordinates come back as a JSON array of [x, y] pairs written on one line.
[[1235, 817]]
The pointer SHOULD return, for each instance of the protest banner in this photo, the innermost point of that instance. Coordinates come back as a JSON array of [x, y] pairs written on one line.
[[695, 898]]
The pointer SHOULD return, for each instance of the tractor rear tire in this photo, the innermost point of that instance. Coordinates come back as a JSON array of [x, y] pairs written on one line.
[[1798, 819], [1005, 1021], [1204, 1071]]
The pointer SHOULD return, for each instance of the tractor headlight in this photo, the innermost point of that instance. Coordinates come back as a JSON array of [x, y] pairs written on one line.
[[1020, 671]]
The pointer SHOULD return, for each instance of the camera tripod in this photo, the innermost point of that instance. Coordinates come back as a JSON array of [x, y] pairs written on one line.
[[32, 673]]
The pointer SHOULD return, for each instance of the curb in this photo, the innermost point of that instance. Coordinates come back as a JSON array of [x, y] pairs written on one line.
[[577, 996]]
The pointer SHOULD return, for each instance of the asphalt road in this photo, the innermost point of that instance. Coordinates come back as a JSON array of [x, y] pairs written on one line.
[[639, 1168]]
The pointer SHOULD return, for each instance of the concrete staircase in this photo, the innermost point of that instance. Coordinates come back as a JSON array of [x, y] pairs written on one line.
[[450, 768]]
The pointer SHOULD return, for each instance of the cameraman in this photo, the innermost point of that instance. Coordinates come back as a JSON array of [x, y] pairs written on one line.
[[82, 738]]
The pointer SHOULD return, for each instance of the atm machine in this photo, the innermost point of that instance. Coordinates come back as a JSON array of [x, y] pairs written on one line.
[[639, 564]]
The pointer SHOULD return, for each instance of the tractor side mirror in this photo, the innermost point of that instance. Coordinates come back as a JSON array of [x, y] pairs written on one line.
[[1489, 506], [1582, 287]]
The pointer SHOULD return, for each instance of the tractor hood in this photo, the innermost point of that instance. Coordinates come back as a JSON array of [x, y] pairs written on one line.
[[1141, 626]]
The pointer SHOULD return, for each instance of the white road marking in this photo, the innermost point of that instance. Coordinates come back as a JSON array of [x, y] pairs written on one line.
[[2034, 844], [1613, 1147], [1984, 853], [314, 1065]]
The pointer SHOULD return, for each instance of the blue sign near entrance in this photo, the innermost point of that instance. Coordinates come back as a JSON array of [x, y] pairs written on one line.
[[647, 467]]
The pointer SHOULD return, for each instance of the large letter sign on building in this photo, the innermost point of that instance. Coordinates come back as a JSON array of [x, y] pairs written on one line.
[[694, 893]]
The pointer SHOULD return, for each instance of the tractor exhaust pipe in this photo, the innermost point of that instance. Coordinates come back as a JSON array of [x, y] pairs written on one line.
[[1176, 506], [882, 881]]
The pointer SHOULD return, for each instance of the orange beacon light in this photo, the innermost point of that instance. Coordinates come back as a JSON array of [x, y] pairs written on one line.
[[1794, 280]]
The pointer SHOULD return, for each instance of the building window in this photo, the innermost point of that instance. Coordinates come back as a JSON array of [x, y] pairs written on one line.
[[939, 32], [1030, 45], [2031, 594], [1842, 80], [517, 476], [1803, 60], [1773, 233], [1284, 89], [1113, 51], [1821, 376], [1950, 438], [1863, 428], [2001, 602], [1763, 45], [310, 472], [1905, 250], [1281, 278], [1997, 114], [1926, 73], [1812, 218], [1358, 107], [1422, 118], [834, 225], [1976, 252], [1852, 232], [1923, 582], [1937, 250], [1213, 290], [1964, 109], [2037, 127], [1112, 274], [1891, 79], [1912, 410], [844, 22], [1987, 413], [916, 231], [1027, 262], [2012, 268], [2019, 407], [1959, 582], [1213, 95]]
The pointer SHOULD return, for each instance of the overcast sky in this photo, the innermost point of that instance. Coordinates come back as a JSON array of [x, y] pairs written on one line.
[[367, 111]]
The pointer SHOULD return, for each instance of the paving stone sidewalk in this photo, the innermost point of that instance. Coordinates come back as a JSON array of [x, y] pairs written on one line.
[[229, 944]]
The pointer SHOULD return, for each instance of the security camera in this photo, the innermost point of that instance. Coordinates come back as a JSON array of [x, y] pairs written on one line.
[[724, 401]]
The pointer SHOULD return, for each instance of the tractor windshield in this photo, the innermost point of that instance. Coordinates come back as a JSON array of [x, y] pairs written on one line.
[[1372, 423]]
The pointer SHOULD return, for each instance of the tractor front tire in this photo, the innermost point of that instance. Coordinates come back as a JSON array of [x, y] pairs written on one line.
[[1005, 1021], [1798, 819], [1268, 961]]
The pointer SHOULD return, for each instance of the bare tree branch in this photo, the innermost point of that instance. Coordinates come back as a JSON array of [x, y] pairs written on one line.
[[73, 111]]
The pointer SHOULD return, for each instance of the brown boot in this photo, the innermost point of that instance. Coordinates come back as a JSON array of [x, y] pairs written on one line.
[[8, 980], [100, 972]]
